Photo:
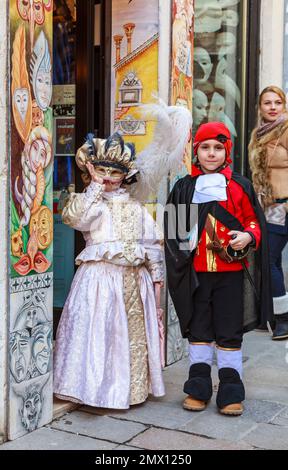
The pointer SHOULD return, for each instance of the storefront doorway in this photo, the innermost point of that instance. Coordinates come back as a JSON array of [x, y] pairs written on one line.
[[81, 71]]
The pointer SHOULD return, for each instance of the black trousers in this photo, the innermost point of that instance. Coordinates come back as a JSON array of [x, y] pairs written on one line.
[[218, 309]]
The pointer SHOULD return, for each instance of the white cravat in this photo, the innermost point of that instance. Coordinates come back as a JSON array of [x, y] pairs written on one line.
[[211, 187]]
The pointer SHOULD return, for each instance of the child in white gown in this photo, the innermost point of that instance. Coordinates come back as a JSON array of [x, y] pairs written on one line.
[[107, 346]]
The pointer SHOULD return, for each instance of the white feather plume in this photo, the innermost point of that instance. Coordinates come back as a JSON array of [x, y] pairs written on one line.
[[165, 153]]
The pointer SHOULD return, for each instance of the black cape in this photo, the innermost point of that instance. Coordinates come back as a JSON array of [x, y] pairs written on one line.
[[181, 276]]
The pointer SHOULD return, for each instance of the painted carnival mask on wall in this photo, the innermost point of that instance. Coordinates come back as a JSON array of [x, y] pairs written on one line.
[[32, 401], [40, 68], [37, 115], [20, 354], [42, 224], [33, 311], [42, 347], [17, 243], [20, 87], [21, 99], [33, 11], [31, 411], [35, 158], [34, 260]]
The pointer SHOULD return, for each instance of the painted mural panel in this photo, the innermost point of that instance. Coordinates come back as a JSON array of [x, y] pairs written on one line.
[[182, 60], [31, 219], [135, 27], [181, 94]]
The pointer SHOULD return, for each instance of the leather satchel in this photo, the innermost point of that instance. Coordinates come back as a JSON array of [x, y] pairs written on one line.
[[226, 253], [215, 245]]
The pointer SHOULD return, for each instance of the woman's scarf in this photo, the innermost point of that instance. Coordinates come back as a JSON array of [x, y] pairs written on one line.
[[266, 127]]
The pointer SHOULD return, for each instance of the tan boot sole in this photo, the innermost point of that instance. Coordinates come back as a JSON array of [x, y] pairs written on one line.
[[196, 407], [230, 412], [277, 338]]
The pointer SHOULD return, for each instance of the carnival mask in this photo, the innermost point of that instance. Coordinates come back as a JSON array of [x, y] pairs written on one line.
[[37, 154], [225, 44], [43, 89], [20, 354], [21, 98], [35, 158], [42, 347], [33, 260], [33, 11], [109, 174], [33, 311], [231, 18], [41, 72], [200, 107], [217, 112], [226, 83], [31, 410], [208, 16], [37, 115], [17, 243], [203, 60], [20, 86], [38, 148], [42, 224]]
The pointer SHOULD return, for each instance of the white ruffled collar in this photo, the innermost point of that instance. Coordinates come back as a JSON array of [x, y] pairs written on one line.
[[210, 187]]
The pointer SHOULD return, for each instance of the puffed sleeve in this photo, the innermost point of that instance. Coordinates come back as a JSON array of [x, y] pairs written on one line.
[[153, 243], [81, 209]]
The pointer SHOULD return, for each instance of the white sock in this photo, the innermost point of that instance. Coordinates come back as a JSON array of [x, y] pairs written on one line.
[[231, 359], [280, 305], [201, 353]]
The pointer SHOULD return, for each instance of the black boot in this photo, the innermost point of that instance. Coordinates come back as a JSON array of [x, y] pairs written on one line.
[[199, 384], [230, 393], [281, 329]]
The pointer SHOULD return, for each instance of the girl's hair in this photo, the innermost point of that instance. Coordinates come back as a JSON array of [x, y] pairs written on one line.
[[258, 152]]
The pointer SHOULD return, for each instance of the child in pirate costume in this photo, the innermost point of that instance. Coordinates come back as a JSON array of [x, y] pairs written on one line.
[[206, 280], [107, 345]]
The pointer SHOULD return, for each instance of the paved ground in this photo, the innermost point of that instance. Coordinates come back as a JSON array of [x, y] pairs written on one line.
[[161, 424]]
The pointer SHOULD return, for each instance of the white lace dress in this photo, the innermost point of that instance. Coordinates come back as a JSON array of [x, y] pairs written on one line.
[[107, 345]]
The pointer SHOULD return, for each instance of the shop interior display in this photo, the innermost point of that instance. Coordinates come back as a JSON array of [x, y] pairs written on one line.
[[217, 75]]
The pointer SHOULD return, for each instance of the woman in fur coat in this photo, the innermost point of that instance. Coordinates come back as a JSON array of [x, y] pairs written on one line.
[[268, 156]]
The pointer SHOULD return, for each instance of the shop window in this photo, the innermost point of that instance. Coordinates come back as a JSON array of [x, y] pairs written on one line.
[[219, 53], [64, 117]]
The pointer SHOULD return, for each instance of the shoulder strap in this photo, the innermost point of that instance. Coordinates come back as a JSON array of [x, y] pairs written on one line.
[[227, 219]]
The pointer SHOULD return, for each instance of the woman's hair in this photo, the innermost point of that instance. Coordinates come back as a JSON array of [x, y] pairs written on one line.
[[258, 152], [271, 89]]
